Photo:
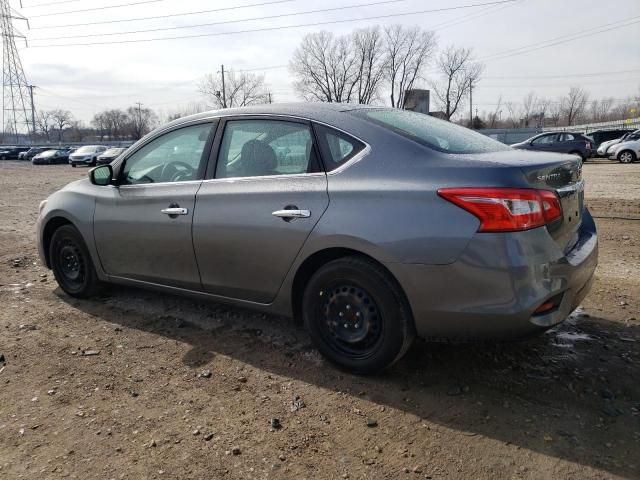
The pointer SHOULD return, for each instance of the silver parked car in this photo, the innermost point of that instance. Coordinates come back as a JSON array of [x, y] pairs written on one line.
[[370, 225]]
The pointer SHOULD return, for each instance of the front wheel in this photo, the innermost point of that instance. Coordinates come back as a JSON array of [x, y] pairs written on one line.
[[71, 263], [626, 156], [73, 165], [357, 316]]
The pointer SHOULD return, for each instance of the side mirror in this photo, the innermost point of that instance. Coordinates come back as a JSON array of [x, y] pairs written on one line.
[[101, 175]]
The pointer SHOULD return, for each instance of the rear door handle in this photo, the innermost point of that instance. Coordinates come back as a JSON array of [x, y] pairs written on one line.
[[175, 211], [288, 214]]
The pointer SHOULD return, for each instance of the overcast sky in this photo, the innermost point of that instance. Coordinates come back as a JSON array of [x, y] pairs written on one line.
[[164, 74]]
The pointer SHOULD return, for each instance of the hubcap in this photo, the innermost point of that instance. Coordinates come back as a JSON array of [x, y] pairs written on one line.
[[625, 158], [350, 318]]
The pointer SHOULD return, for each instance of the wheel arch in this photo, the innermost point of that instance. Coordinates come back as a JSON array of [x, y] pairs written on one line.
[[321, 257]]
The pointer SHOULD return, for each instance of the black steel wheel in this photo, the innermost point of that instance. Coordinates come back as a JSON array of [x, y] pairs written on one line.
[[357, 315], [71, 262]]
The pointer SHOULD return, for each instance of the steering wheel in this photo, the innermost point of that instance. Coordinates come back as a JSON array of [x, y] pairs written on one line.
[[177, 171]]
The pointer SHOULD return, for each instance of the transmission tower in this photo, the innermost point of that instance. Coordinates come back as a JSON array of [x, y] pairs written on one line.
[[16, 103]]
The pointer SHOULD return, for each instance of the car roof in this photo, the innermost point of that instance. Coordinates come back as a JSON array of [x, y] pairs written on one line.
[[319, 111]]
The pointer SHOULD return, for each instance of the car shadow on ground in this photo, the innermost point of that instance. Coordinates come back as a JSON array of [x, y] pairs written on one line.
[[548, 394]]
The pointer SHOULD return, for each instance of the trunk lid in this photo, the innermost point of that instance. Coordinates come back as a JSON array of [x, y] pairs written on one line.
[[563, 174]]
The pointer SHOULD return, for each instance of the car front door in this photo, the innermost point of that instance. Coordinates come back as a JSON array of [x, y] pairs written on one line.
[[142, 226], [257, 206]]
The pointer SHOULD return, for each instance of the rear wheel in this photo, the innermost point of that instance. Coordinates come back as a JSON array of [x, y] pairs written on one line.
[[626, 156], [357, 316], [71, 263]]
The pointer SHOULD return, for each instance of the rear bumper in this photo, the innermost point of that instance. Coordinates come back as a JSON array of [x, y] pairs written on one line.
[[494, 288]]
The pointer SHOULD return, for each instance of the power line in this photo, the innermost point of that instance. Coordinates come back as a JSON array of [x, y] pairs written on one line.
[[285, 27], [92, 9], [566, 75], [270, 17], [164, 16], [562, 39], [48, 3]]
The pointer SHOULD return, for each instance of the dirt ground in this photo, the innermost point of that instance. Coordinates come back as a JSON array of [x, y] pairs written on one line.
[[136, 384]]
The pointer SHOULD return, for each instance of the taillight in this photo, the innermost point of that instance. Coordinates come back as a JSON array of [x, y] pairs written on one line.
[[506, 209]]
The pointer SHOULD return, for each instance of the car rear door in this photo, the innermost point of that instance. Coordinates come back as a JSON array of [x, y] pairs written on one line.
[[142, 227], [264, 193]]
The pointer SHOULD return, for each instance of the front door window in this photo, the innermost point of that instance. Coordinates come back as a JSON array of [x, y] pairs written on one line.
[[174, 157]]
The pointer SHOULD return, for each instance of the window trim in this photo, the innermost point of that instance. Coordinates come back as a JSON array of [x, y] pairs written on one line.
[[214, 122], [216, 149]]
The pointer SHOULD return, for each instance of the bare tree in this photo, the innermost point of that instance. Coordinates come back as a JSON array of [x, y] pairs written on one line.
[[495, 115], [45, 123], [599, 110], [458, 72], [61, 119], [101, 124], [554, 112], [528, 108], [325, 68], [240, 89], [368, 47], [141, 121], [116, 121], [514, 113], [408, 51], [574, 104], [189, 109], [542, 107]]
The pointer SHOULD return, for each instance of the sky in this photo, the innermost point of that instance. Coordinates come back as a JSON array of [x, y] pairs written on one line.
[[164, 74]]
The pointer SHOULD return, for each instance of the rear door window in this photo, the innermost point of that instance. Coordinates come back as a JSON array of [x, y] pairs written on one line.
[[259, 148]]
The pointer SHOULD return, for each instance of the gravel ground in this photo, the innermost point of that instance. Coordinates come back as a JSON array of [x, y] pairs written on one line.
[[135, 384]]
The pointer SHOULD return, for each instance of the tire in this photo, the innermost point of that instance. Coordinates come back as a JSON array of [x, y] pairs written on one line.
[[71, 263], [362, 294], [626, 156], [93, 162], [73, 165]]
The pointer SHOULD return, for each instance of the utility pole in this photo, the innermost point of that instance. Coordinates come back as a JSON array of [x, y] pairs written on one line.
[[224, 94], [139, 126], [33, 112], [470, 103], [269, 97]]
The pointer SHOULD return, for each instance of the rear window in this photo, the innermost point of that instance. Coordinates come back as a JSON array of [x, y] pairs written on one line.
[[430, 131]]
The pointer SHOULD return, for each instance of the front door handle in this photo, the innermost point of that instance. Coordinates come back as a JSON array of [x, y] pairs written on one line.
[[171, 211], [290, 214]]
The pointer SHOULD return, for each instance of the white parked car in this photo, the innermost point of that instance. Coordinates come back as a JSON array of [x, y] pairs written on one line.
[[86, 155], [625, 152], [604, 149]]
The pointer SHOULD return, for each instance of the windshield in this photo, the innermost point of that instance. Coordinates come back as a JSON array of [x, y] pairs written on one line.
[[113, 151], [87, 149], [48, 153], [434, 133]]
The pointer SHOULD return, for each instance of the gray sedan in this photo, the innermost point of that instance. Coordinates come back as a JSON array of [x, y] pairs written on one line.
[[370, 225]]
